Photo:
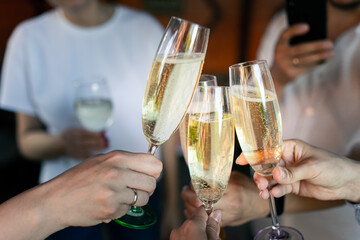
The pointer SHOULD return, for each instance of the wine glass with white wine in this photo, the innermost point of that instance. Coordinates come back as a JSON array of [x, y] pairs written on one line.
[[93, 106], [170, 87], [210, 144], [258, 127], [205, 80]]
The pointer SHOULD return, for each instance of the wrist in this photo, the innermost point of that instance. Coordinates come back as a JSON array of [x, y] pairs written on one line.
[[352, 188], [48, 218], [32, 213]]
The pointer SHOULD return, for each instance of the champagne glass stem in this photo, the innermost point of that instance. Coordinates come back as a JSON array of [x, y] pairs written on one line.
[[152, 148], [208, 207], [274, 217]]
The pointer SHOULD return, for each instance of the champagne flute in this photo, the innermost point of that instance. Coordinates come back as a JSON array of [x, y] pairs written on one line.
[[259, 130], [210, 144], [93, 107], [171, 84], [205, 80]]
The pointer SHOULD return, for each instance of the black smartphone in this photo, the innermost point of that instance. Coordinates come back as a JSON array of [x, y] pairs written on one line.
[[312, 12]]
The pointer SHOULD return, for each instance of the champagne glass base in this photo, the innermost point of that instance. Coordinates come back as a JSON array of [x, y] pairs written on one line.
[[141, 218], [286, 233]]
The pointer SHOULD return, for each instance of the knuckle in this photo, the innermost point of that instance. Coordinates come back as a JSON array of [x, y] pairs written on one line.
[[143, 200], [110, 174]]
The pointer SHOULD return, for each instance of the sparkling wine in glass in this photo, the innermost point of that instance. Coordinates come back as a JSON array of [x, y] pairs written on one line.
[[258, 127], [205, 80], [170, 87], [210, 144], [93, 107]]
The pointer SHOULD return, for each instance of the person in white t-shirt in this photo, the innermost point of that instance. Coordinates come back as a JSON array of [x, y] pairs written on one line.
[[46, 54]]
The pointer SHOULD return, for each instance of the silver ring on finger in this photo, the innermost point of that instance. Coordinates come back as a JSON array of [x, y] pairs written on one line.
[[295, 61], [136, 196]]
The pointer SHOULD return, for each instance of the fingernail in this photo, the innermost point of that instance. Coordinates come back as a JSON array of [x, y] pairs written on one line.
[[282, 172], [260, 193], [216, 215]]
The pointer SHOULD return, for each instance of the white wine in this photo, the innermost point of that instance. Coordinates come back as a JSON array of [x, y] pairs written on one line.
[[208, 193], [210, 154], [171, 84], [94, 114], [258, 127]]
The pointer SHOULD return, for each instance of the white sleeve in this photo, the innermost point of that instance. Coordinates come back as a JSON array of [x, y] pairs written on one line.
[[270, 37], [15, 91]]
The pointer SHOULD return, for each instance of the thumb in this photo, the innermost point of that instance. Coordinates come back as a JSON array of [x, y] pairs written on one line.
[[213, 225], [290, 175]]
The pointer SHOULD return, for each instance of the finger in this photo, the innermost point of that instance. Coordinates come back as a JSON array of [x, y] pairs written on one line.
[[295, 30], [291, 175], [121, 211], [241, 160], [187, 213], [127, 196], [143, 198], [264, 194], [213, 225], [189, 197], [323, 46], [139, 162], [281, 190], [91, 144], [200, 217], [261, 182], [138, 180], [190, 210]]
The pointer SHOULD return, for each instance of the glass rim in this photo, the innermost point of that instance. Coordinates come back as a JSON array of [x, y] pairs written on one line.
[[190, 22], [247, 63], [207, 75], [215, 87]]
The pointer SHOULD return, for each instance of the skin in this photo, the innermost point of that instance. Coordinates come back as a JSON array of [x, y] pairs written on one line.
[[283, 72], [33, 140], [199, 226], [241, 191], [312, 172], [36, 144], [310, 53], [97, 190]]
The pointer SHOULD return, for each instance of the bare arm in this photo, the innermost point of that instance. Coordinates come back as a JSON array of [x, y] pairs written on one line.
[[35, 143], [95, 191]]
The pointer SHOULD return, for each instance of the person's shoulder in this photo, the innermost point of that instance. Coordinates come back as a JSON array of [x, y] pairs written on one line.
[[278, 19], [35, 24], [132, 15]]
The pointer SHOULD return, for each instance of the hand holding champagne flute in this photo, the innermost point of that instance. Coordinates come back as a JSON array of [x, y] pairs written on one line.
[[170, 87], [259, 130]]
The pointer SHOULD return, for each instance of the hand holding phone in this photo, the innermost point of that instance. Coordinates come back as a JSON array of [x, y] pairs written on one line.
[[312, 12]]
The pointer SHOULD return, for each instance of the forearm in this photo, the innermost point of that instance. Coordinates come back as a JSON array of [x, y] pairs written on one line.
[[39, 145], [295, 203], [351, 190], [26, 216]]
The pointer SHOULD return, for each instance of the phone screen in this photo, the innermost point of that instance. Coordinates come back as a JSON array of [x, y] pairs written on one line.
[[312, 12]]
